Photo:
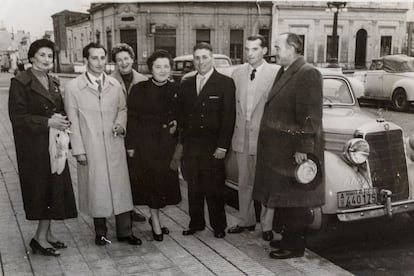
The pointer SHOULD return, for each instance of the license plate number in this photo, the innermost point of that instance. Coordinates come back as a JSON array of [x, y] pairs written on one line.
[[357, 198]]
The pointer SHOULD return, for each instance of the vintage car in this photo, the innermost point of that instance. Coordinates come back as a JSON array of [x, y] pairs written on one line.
[[368, 171], [183, 65], [390, 78]]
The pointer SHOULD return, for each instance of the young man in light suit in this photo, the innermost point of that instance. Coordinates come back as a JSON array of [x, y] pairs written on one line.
[[253, 82]]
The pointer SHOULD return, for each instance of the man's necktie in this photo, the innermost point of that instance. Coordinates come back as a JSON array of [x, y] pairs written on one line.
[[99, 85], [253, 74], [200, 86]]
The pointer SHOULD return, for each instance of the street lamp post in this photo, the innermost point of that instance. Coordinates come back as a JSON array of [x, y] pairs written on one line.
[[335, 7]]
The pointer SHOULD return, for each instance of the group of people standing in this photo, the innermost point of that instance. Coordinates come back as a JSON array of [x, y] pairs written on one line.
[[129, 135]]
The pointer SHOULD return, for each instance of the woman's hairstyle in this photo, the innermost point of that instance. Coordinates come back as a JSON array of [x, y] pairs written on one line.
[[40, 43], [122, 47], [156, 55]]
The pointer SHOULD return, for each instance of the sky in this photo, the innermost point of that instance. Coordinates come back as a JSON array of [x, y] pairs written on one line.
[[34, 16]]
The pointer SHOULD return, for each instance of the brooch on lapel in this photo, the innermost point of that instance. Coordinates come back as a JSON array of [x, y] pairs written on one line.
[[56, 89]]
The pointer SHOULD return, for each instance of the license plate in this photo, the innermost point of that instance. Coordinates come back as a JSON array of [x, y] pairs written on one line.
[[357, 198]]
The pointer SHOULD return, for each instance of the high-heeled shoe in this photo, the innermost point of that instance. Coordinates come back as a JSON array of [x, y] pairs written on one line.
[[58, 244], [35, 245], [164, 229], [157, 237]]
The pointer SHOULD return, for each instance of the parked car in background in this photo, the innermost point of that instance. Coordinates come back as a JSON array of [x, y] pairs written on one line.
[[368, 171], [390, 78], [183, 65]]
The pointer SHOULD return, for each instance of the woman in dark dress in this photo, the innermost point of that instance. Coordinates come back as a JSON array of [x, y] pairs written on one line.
[[35, 106], [151, 140]]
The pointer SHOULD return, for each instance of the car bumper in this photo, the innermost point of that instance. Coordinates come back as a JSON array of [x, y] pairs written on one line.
[[380, 210]]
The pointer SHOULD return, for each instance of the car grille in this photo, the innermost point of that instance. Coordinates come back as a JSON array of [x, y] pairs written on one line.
[[387, 164]]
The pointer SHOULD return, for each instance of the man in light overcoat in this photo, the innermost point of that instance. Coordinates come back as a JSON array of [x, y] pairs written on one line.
[[253, 82], [96, 107], [290, 134]]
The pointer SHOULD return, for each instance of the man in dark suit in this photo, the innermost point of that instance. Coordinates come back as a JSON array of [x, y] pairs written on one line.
[[290, 133], [207, 114]]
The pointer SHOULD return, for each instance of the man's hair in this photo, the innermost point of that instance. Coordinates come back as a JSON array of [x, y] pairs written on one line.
[[122, 47], [156, 55], [263, 42], [40, 43], [294, 40], [203, 45], [85, 51]]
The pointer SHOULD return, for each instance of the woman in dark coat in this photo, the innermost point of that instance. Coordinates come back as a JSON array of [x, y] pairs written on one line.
[[151, 140], [35, 106]]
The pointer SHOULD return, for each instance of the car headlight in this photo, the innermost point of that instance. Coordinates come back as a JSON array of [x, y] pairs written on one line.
[[356, 151]]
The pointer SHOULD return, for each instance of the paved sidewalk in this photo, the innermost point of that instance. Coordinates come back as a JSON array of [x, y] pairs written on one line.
[[201, 254]]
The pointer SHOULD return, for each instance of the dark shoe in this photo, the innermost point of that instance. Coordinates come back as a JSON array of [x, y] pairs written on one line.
[[44, 251], [267, 235], [219, 234], [132, 240], [58, 244], [164, 230], [238, 229], [137, 217], [157, 237], [285, 254], [275, 244], [191, 231], [101, 240]]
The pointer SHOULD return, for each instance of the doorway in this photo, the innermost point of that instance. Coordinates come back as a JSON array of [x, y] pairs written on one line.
[[360, 49]]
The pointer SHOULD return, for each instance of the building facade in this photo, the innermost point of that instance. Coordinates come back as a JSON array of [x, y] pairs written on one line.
[[367, 30], [178, 26]]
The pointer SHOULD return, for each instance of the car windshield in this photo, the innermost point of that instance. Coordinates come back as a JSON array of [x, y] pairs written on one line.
[[186, 66], [336, 92]]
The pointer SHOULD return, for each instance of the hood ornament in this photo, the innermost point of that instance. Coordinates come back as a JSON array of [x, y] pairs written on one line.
[[380, 114]]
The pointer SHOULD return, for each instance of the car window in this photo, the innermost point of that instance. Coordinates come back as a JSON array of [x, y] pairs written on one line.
[[221, 62], [336, 91]]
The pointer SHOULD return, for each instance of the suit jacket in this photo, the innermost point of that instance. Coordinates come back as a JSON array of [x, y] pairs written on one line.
[[136, 78], [207, 119], [291, 122], [241, 77]]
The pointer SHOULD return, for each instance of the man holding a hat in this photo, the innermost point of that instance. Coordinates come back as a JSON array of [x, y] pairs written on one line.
[[290, 147]]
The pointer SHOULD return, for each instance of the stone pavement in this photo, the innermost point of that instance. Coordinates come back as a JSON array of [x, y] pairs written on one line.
[[201, 254]]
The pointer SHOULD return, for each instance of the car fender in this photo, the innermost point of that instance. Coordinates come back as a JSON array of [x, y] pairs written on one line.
[[349, 179], [408, 85]]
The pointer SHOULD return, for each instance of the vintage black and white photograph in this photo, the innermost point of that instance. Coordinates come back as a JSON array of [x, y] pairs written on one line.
[[191, 138]]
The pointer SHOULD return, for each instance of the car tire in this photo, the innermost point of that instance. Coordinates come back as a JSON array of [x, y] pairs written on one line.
[[320, 221], [399, 100]]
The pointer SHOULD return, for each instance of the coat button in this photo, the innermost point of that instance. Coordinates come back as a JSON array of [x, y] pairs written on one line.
[[201, 126], [202, 115], [203, 104]]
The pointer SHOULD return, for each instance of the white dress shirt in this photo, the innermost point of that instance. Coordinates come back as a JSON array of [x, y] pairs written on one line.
[[93, 79], [205, 78]]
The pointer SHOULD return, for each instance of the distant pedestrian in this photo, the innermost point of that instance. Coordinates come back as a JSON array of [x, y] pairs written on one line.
[[253, 82], [97, 109], [290, 133], [151, 140], [36, 110], [207, 113], [124, 55]]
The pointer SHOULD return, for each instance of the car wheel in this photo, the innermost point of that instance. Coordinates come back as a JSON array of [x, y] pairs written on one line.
[[399, 100], [320, 221]]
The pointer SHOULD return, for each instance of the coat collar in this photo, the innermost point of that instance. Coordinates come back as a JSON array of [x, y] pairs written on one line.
[[278, 85], [207, 88], [83, 83], [28, 78], [136, 77]]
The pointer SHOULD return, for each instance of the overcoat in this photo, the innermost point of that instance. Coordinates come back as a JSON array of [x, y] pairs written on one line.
[[136, 78], [241, 79], [291, 122], [103, 184], [45, 196]]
